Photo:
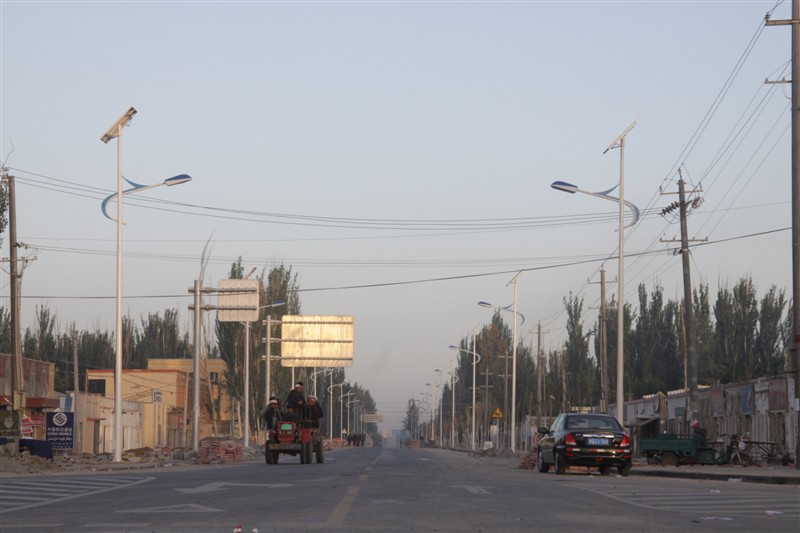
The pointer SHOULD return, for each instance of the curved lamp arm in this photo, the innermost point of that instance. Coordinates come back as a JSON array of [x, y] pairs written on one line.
[[136, 187], [572, 189], [452, 347]]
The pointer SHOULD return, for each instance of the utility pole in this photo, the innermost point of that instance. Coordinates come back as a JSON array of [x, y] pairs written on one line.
[[539, 376], [486, 402], [15, 279], [198, 316], [75, 391], [603, 343], [795, 51], [691, 341]]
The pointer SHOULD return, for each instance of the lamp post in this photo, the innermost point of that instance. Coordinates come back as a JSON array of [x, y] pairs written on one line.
[[330, 410], [476, 358], [440, 437], [513, 358], [432, 409], [247, 373], [341, 413], [619, 142], [268, 356], [453, 380], [348, 412], [115, 132]]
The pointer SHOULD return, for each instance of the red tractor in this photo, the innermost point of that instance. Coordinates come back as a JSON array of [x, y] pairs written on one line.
[[295, 438]]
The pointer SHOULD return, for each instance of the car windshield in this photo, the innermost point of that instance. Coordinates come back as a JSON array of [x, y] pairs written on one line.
[[592, 422]]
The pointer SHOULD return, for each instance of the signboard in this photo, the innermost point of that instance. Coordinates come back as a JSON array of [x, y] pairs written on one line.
[[372, 418], [238, 300], [316, 341], [746, 400], [25, 426], [777, 395], [61, 430], [497, 413], [9, 424], [156, 396]]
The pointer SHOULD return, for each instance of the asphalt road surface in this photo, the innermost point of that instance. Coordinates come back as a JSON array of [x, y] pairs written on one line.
[[384, 490]]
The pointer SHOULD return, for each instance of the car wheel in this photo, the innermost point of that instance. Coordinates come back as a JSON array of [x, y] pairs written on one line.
[[624, 470], [559, 463], [604, 470], [540, 464]]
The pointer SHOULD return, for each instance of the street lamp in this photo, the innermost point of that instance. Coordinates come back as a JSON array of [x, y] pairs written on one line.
[[440, 438], [433, 408], [476, 358], [514, 360], [348, 413], [115, 132], [268, 356], [247, 371], [341, 413], [330, 410], [619, 142]]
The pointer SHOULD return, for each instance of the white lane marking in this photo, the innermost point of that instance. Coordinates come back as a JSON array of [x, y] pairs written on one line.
[[222, 485]]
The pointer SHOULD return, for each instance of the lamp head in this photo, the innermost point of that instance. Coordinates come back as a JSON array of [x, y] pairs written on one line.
[[123, 121], [486, 304], [177, 180], [564, 186]]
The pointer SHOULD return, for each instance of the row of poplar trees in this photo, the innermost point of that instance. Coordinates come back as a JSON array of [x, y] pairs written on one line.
[[157, 336], [739, 338]]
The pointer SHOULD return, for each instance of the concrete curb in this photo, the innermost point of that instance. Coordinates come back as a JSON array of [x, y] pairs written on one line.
[[685, 473]]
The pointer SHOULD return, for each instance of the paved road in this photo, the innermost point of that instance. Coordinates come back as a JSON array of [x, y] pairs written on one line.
[[366, 489]]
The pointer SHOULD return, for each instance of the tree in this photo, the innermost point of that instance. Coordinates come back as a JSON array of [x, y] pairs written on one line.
[[578, 367], [769, 356]]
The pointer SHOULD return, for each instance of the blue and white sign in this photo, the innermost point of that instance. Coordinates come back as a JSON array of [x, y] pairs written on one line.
[[61, 430]]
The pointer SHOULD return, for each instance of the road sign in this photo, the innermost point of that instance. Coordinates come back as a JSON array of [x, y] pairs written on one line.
[[316, 341], [238, 300], [497, 413]]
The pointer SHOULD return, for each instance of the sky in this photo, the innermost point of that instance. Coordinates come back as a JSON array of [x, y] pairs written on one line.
[[397, 155]]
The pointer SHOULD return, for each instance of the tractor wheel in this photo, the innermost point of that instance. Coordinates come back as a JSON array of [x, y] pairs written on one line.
[[268, 455], [275, 456], [561, 468], [305, 453], [320, 452], [669, 459], [540, 464]]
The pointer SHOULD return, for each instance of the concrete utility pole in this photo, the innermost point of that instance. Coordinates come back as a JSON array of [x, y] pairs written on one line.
[[795, 51], [691, 338], [17, 382], [198, 316], [539, 377], [603, 343], [75, 391]]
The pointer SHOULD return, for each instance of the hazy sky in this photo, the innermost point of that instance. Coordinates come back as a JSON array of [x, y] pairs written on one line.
[[393, 143]]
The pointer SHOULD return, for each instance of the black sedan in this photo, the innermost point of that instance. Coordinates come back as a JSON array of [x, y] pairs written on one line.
[[584, 439]]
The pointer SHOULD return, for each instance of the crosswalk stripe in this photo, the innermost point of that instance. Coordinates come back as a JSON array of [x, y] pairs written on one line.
[[16, 495]]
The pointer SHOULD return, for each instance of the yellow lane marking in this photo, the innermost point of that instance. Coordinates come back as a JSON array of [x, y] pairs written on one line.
[[336, 520]]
